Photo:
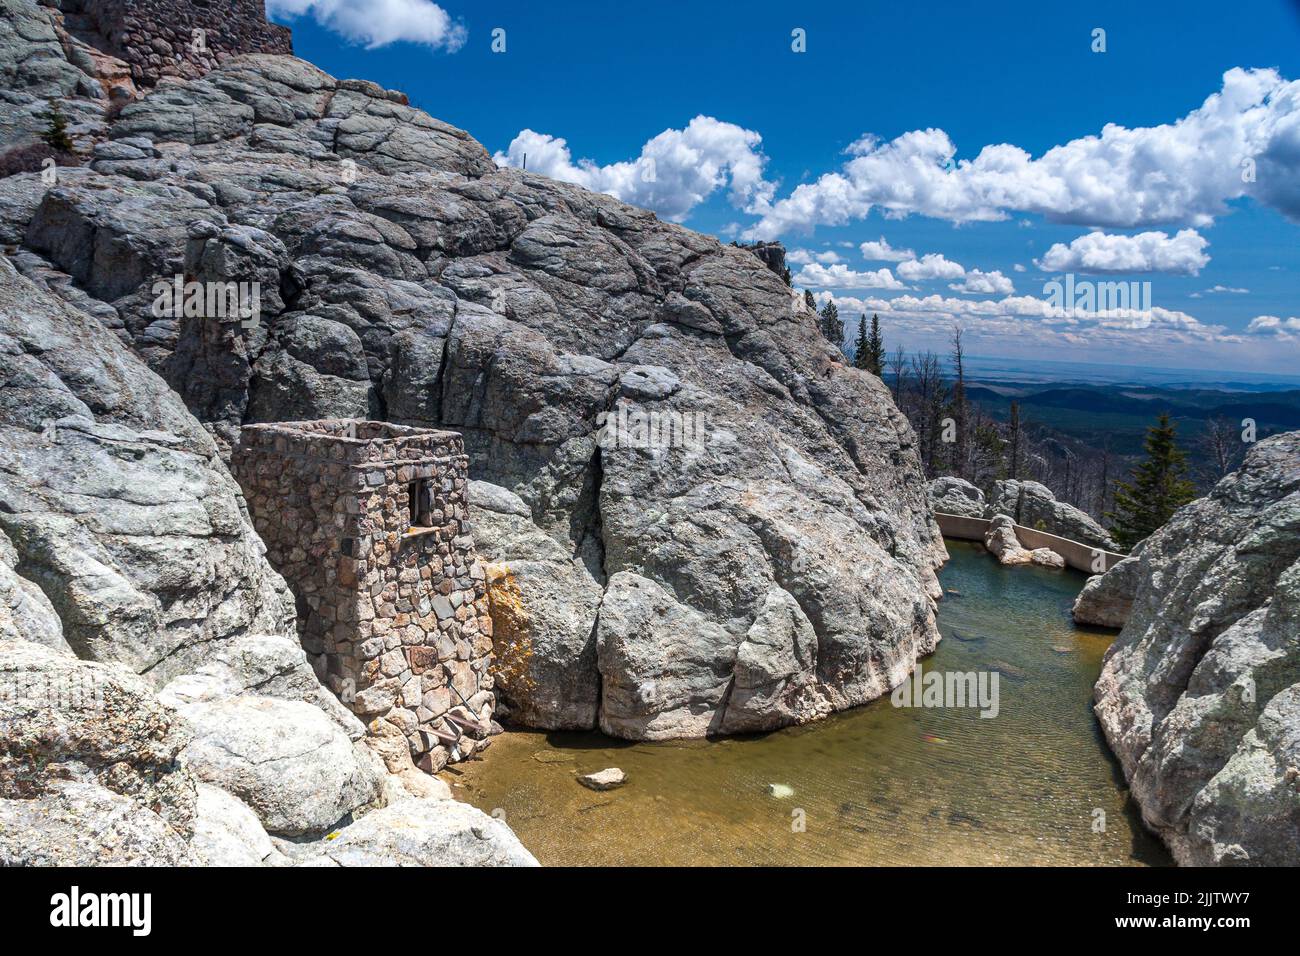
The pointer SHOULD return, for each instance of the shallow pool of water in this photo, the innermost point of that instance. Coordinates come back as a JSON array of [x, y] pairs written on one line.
[[878, 785]]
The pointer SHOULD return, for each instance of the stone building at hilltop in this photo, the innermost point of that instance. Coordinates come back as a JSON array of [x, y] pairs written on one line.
[[368, 523], [184, 38]]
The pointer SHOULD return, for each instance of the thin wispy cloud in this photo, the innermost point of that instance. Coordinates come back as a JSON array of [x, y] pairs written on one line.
[[1221, 289]]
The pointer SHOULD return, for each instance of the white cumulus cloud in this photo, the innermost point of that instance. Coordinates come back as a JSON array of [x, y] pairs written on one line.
[[676, 170], [377, 23], [804, 256], [882, 251], [840, 276], [1100, 252], [1274, 325], [984, 283], [932, 265], [1242, 141]]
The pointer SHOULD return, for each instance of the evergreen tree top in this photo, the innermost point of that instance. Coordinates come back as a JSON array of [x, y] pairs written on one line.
[[1158, 487]]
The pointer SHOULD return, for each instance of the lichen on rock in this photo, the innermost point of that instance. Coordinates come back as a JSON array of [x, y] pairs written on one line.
[[1197, 695]]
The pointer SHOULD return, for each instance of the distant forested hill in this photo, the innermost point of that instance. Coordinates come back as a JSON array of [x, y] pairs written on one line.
[[1122, 413]]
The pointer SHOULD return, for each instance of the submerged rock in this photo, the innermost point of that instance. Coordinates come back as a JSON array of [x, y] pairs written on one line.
[[609, 779], [1008, 670], [1198, 694], [553, 756]]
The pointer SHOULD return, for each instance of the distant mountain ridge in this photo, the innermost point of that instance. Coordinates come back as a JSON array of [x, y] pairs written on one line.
[[1278, 408]]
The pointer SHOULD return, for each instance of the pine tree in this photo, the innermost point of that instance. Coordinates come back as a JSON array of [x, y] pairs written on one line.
[[1158, 489], [875, 348], [930, 395], [56, 133], [988, 449], [831, 325], [862, 348], [808, 299]]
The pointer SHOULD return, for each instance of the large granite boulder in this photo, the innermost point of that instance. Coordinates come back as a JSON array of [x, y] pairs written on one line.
[[89, 765], [1198, 694], [26, 614], [1107, 599], [543, 603], [228, 833], [658, 402], [1254, 795], [774, 675], [955, 496], [97, 770], [1004, 544], [1034, 506], [650, 694], [113, 498], [128, 564], [425, 832], [1001, 541], [82, 824], [62, 719], [31, 57], [266, 665], [287, 760], [40, 62]]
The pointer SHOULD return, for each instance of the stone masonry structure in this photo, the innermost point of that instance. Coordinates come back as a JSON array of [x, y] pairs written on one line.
[[368, 523], [157, 38]]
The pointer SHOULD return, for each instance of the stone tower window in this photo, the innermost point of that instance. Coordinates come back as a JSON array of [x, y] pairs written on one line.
[[421, 503]]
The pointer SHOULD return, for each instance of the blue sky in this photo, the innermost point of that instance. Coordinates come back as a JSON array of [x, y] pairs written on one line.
[[705, 113]]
